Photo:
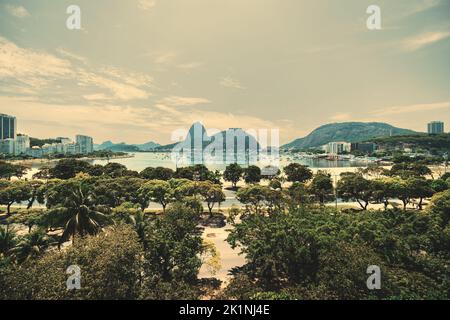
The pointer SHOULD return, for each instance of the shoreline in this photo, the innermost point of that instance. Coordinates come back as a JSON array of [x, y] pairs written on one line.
[[49, 161]]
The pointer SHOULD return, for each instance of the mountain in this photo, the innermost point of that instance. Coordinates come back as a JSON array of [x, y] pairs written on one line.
[[346, 131], [198, 131], [123, 147], [149, 146]]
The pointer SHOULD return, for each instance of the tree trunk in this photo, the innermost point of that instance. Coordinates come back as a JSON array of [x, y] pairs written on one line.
[[420, 203], [8, 208], [359, 202], [210, 210], [30, 203]]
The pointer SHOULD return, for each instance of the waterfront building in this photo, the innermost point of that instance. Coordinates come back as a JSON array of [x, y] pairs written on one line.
[[338, 147], [21, 144], [35, 152], [8, 127], [366, 147], [7, 146], [72, 148], [64, 140], [85, 144], [435, 127]]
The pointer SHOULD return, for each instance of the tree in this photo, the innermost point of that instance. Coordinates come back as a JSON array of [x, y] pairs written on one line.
[[211, 193], [131, 214], [174, 246], [298, 194], [44, 173], [34, 187], [408, 170], [31, 246], [445, 176], [296, 172], [253, 197], [113, 192], [277, 248], [439, 185], [374, 170], [252, 174], [110, 266], [8, 240], [72, 207], [13, 192], [29, 218], [8, 170], [419, 188], [354, 186], [69, 168], [158, 173], [197, 172], [233, 173], [322, 186], [116, 170], [275, 184], [382, 191], [400, 190], [157, 191]]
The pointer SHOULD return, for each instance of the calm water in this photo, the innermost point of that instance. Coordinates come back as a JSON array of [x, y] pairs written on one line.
[[140, 161]]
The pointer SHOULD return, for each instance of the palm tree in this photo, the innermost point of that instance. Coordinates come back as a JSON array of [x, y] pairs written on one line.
[[77, 214], [139, 223], [8, 239], [31, 245]]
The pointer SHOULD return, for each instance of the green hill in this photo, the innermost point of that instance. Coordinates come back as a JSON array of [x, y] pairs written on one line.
[[346, 131]]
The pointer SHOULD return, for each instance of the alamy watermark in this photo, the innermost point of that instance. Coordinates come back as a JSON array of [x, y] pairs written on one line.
[[73, 22], [74, 280], [214, 147], [374, 280]]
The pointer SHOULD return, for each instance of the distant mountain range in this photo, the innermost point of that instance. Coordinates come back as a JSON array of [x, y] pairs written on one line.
[[123, 147], [346, 131]]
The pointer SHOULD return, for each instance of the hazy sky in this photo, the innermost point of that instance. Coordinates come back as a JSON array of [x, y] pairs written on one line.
[[140, 69]]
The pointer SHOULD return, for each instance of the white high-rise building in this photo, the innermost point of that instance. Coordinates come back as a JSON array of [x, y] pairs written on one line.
[[338, 147], [435, 127], [7, 146], [21, 145], [85, 143]]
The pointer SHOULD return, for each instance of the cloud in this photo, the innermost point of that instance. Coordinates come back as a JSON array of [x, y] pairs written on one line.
[[165, 58], [176, 101], [120, 91], [422, 6], [191, 65], [71, 56], [341, 116], [411, 108], [229, 82], [30, 67], [424, 39], [146, 4], [53, 76], [131, 78], [17, 11]]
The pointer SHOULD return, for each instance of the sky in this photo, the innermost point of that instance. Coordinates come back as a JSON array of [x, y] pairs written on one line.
[[140, 69]]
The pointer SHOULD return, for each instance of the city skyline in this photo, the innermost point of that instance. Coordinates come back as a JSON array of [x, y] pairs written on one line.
[[139, 70]]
